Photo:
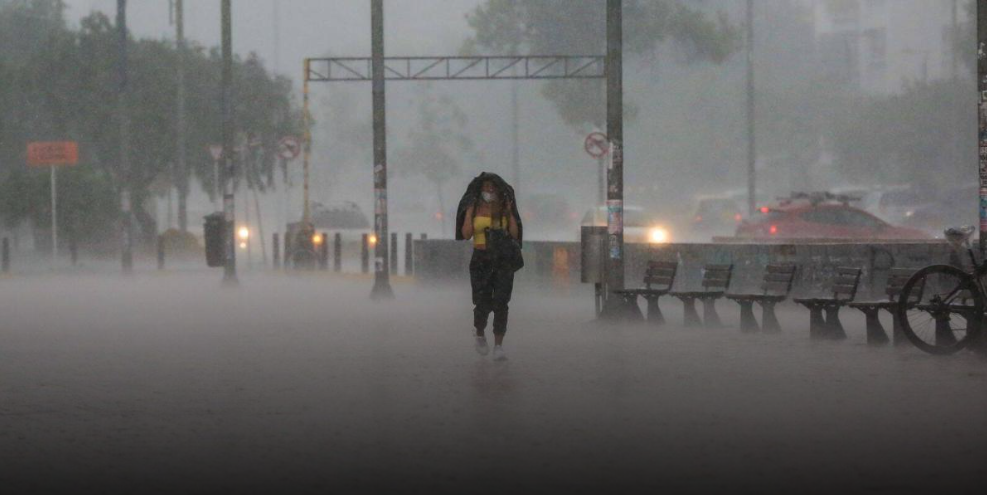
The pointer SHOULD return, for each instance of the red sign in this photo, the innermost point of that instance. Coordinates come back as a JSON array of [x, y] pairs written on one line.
[[597, 145], [42, 154], [289, 147]]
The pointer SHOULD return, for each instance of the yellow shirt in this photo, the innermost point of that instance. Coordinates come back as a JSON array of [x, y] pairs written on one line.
[[480, 224]]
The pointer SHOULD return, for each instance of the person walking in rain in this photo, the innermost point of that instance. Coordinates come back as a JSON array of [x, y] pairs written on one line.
[[488, 210]]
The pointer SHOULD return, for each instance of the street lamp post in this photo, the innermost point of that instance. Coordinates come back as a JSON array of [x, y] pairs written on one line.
[[126, 227], [382, 284], [615, 307]]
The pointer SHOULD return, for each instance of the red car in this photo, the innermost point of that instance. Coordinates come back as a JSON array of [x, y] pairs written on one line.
[[809, 220]]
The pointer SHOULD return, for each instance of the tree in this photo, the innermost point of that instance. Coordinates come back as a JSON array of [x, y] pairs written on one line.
[[436, 147], [563, 27], [65, 85]]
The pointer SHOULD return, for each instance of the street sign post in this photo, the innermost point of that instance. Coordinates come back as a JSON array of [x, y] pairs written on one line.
[[289, 147], [53, 154], [598, 146], [216, 152]]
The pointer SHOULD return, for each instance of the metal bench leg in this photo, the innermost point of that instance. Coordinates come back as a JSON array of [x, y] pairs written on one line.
[[834, 329], [817, 325], [710, 317], [691, 317], [748, 323], [654, 312], [897, 334], [875, 331], [769, 321]]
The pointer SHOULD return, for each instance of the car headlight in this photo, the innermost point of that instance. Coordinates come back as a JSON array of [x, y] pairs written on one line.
[[657, 235]]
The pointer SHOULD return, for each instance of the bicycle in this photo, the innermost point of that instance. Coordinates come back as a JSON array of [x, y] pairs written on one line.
[[941, 307]]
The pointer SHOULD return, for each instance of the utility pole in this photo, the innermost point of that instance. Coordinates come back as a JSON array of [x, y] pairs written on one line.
[[127, 229], [183, 175], [382, 284], [615, 306], [229, 271], [982, 113], [751, 149]]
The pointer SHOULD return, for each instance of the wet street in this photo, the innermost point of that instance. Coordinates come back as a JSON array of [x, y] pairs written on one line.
[[167, 383]]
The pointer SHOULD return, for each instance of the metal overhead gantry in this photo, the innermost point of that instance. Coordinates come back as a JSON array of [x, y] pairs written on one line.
[[339, 69], [378, 69]]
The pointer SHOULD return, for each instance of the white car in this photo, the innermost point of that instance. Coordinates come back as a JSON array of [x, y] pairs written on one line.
[[639, 226]]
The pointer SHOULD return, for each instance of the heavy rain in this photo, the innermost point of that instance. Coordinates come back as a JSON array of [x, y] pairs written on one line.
[[480, 246]]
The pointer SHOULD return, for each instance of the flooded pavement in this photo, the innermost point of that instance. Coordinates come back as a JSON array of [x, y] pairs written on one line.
[[170, 384]]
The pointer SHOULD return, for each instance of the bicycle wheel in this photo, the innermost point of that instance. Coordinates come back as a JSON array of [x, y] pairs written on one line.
[[941, 309]]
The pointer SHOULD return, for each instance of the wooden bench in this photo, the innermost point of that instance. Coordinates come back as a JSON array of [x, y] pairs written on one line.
[[716, 281], [844, 289], [775, 287], [658, 280], [872, 309]]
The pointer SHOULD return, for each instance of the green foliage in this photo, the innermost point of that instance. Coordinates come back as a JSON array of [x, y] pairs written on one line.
[[563, 27], [61, 84]]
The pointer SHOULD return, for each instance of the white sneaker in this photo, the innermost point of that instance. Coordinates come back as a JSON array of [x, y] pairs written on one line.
[[481, 346], [499, 354]]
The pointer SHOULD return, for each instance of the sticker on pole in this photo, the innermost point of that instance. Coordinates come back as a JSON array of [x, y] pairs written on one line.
[[597, 145], [216, 151], [43, 154], [289, 147]]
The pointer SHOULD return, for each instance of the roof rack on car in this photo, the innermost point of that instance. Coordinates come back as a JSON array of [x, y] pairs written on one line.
[[815, 198]]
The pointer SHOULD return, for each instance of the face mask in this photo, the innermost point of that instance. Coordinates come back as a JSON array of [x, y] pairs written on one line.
[[488, 196]]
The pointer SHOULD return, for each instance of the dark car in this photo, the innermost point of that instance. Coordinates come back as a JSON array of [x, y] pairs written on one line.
[[717, 215]]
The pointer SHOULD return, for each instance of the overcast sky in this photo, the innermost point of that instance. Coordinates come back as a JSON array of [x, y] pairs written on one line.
[[308, 27]]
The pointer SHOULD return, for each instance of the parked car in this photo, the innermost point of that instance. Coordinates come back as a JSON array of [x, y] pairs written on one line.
[[639, 226], [821, 216], [717, 215], [954, 207]]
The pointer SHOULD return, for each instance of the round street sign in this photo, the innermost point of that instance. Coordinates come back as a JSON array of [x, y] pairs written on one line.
[[216, 150], [597, 145], [289, 147]]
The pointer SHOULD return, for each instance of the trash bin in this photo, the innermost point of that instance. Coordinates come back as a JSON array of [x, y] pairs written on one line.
[[214, 232]]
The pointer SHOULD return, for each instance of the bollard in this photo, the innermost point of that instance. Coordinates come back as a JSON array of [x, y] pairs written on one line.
[[286, 264], [324, 253], [5, 256], [73, 252], [365, 254], [409, 262], [337, 253], [161, 253], [276, 252], [394, 253]]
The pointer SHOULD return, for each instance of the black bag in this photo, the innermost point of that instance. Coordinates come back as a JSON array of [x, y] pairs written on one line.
[[506, 249]]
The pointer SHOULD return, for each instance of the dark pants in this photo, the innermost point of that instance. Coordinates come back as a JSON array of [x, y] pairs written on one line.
[[492, 287]]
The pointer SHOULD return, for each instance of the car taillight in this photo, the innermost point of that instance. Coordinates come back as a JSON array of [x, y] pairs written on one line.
[[738, 217], [765, 210], [773, 230]]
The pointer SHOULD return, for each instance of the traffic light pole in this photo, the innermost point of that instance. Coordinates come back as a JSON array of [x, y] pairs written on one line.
[[382, 283], [229, 214]]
